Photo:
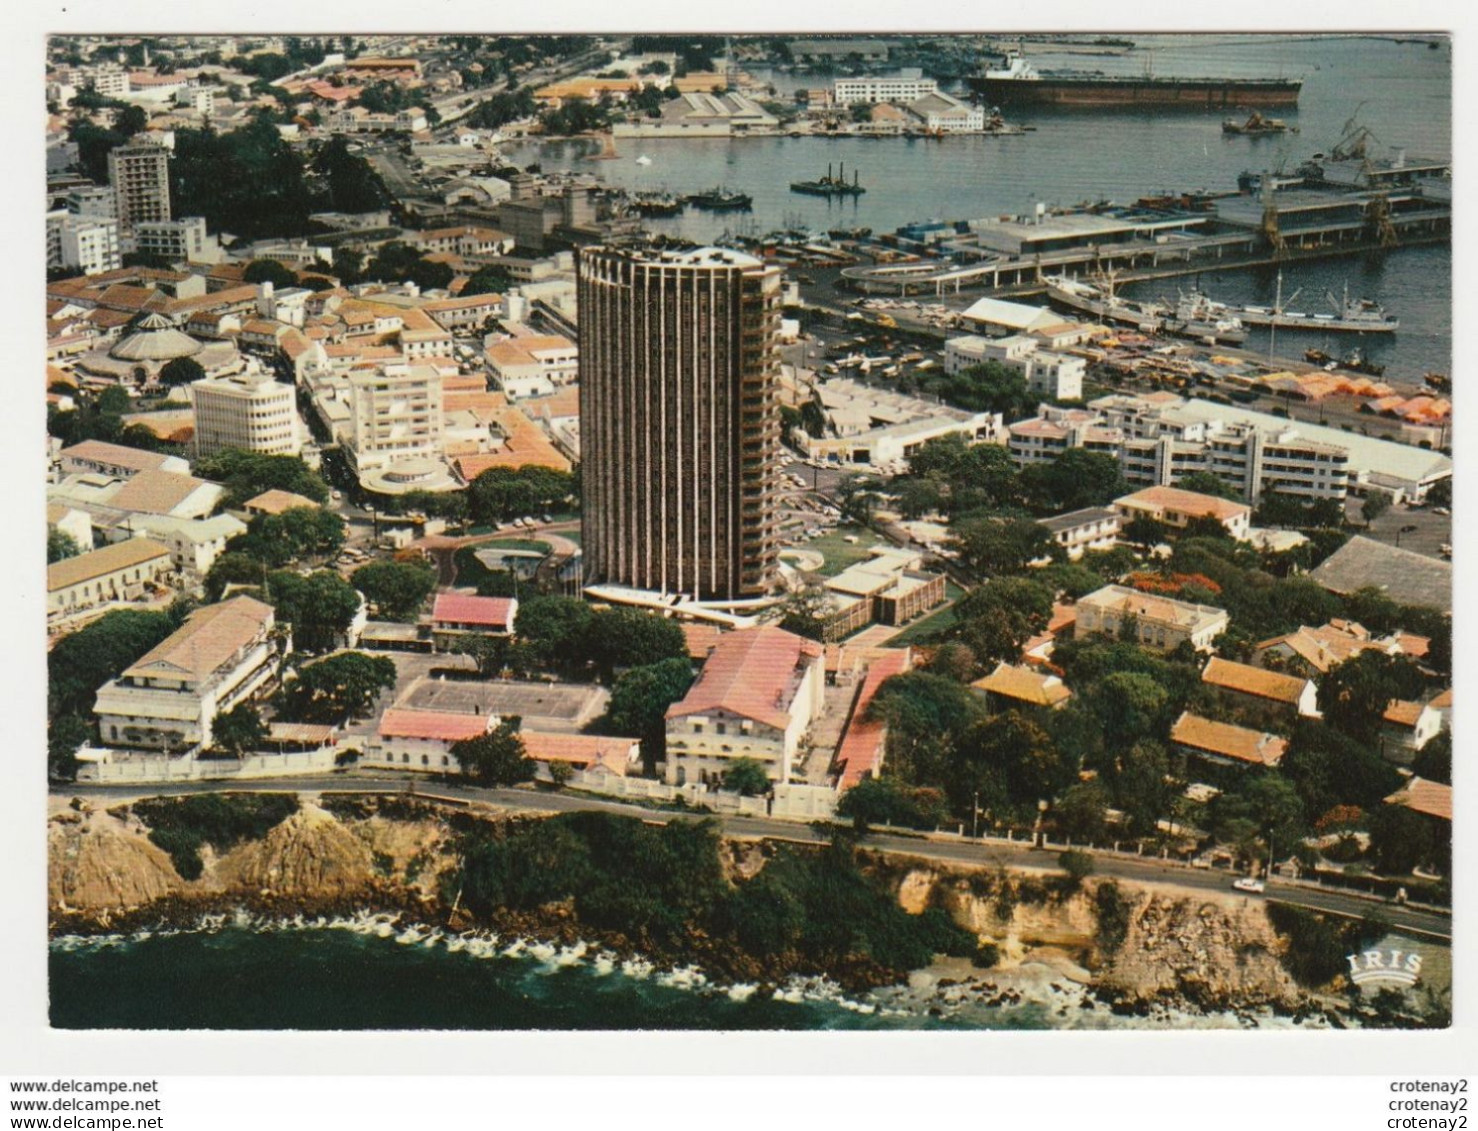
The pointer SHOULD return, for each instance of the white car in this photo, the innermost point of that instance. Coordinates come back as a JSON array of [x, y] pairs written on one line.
[[1248, 884]]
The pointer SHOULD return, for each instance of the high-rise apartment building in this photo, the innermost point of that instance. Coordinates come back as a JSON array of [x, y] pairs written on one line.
[[249, 411], [139, 175], [83, 243], [177, 240], [680, 425], [395, 415]]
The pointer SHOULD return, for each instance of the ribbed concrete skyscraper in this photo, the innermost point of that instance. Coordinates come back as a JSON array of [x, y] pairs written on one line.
[[679, 420]]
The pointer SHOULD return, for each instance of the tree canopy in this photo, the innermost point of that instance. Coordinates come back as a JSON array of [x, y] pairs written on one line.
[[336, 689], [396, 589]]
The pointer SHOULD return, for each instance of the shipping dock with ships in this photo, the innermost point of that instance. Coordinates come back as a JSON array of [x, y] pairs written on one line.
[[1331, 205], [1018, 82]]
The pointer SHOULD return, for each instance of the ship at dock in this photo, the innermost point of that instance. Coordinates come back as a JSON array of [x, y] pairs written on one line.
[[1350, 316], [1204, 320], [830, 185], [1102, 303], [720, 200], [1019, 83]]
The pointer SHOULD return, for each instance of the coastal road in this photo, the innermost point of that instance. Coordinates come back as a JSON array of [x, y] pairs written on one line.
[[992, 854]]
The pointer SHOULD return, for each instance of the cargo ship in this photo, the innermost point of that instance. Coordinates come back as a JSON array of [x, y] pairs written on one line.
[[1019, 83]]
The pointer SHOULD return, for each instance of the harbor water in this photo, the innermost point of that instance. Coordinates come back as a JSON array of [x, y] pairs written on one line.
[[1400, 91]]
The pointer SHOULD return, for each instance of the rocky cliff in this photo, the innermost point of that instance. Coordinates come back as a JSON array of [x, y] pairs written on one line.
[[1134, 945]]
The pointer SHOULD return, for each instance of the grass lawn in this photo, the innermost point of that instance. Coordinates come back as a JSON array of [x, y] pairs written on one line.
[[922, 631], [838, 551]]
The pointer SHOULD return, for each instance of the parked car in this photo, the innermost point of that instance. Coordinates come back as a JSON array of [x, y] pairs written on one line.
[[1249, 884]]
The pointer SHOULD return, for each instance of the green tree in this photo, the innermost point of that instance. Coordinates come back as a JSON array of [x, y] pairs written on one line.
[[497, 758], [64, 735], [493, 279], [270, 271], [233, 569], [239, 730], [60, 545], [807, 611], [994, 546], [1076, 866], [337, 689], [1375, 505], [1077, 478], [396, 589], [995, 619], [1353, 695], [1434, 760], [247, 474], [181, 371], [1141, 788], [553, 628], [747, 777], [1081, 812], [353, 184], [629, 638], [1402, 840], [82, 661], [877, 801], [297, 534], [1329, 768], [641, 696], [490, 653], [320, 607], [1131, 706]]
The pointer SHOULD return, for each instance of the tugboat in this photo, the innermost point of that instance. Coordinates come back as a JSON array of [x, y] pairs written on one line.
[[1441, 382], [829, 185], [1256, 125], [720, 200], [1356, 362]]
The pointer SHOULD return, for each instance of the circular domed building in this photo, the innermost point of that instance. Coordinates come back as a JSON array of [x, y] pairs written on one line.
[[137, 357]]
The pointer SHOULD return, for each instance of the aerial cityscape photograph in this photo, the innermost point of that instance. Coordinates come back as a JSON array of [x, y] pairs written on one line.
[[759, 531]]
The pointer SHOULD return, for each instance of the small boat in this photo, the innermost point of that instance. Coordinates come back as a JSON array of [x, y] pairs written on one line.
[[1356, 362], [1256, 125], [643, 160], [1441, 382]]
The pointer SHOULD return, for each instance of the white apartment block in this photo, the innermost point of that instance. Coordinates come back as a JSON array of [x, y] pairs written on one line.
[[908, 85], [54, 221], [139, 175], [110, 80], [89, 244], [249, 410], [1051, 374], [394, 414], [95, 200], [169, 699], [177, 240], [535, 365], [1157, 445]]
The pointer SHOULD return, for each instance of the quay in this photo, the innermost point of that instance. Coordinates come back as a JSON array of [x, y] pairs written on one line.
[[1015, 256]]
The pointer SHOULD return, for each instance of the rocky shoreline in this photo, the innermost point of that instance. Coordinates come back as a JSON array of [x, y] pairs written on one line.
[[1180, 959]]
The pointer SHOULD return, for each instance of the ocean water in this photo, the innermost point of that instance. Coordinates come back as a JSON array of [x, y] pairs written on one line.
[[1400, 91], [327, 978], [364, 974]]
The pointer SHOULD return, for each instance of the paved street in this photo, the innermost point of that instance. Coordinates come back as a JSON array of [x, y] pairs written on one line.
[[953, 851]]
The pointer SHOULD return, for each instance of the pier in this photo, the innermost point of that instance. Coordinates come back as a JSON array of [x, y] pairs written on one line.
[[1243, 232]]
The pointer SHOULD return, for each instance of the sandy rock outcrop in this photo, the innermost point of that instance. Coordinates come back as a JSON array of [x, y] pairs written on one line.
[[1210, 952], [310, 854], [99, 862]]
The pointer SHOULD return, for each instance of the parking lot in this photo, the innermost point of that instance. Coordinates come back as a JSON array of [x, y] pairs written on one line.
[[1422, 530]]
